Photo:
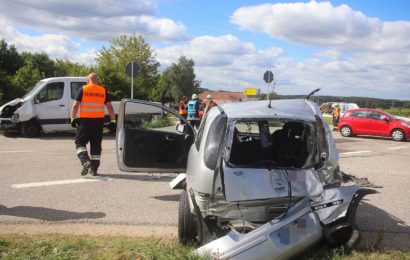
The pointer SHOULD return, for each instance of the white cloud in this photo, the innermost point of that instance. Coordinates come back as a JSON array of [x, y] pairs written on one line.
[[99, 20], [223, 62], [322, 24]]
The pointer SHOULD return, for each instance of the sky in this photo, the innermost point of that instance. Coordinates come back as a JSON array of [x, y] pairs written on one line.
[[345, 48]]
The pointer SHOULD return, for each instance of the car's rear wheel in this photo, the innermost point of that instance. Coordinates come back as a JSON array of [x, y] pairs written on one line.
[[346, 131], [398, 135], [187, 230]]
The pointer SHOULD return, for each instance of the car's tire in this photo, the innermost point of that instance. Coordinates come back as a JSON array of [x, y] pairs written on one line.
[[398, 135], [187, 228], [30, 129], [346, 131]]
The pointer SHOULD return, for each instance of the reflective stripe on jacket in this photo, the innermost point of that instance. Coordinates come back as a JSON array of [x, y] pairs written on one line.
[[92, 102]]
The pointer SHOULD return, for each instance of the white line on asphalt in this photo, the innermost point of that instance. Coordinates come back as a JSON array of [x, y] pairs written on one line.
[[50, 183], [398, 147], [356, 152], [21, 151]]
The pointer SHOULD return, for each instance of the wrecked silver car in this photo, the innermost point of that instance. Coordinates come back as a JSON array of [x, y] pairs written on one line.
[[260, 179]]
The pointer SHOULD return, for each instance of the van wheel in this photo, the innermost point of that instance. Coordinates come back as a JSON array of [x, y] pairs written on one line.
[[187, 231], [30, 129], [398, 135], [346, 131]]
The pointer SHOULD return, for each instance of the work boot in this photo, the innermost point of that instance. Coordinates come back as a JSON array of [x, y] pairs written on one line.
[[86, 167], [92, 172]]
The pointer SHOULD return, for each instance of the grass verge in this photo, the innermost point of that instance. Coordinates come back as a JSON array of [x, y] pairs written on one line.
[[106, 247]]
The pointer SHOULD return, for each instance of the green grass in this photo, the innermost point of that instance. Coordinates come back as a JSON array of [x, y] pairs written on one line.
[[398, 111], [58, 247]]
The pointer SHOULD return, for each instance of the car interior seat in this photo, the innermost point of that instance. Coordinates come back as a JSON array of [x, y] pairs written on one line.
[[290, 144]]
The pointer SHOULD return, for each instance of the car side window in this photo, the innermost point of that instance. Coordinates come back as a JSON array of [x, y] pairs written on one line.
[[359, 114], [149, 117], [74, 87], [53, 91], [377, 116]]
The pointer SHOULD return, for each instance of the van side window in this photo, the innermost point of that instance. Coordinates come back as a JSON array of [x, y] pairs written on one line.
[[75, 86], [53, 91]]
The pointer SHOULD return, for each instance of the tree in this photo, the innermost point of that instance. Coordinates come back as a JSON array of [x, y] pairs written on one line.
[[111, 67], [178, 80], [10, 62], [68, 68], [26, 77]]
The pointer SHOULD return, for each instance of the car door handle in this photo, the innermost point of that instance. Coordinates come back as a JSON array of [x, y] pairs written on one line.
[[62, 105], [169, 138]]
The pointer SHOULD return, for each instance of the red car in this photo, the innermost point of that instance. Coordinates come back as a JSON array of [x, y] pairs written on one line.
[[365, 121]]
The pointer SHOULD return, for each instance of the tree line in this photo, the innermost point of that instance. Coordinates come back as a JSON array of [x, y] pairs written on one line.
[[20, 71]]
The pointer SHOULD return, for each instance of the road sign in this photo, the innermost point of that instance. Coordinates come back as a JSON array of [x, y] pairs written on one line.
[[250, 91], [132, 69], [268, 76]]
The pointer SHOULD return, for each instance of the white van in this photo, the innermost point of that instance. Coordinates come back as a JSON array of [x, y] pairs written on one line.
[[45, 108]]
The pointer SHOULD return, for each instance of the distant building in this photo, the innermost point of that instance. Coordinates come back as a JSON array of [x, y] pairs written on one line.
[[221, 97]]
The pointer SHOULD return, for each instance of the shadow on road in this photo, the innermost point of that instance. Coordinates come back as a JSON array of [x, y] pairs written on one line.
[[381, 229], [174, 197], [48, 214]]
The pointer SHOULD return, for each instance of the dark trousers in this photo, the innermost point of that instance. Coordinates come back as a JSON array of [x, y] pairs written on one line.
[[89, 130]]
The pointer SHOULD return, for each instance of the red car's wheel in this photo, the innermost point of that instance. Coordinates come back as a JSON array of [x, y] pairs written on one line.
[[346, 131], [398, 135]]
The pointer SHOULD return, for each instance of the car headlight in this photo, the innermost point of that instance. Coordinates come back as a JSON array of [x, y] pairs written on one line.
[[15, 118], [406, 124]]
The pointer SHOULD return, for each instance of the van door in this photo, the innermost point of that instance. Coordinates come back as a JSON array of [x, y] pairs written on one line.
[[150, 138], [52, 106]]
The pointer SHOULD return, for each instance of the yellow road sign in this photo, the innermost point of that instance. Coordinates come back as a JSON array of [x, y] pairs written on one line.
[[250, 91]]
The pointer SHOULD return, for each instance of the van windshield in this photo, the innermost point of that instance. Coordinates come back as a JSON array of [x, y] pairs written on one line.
[[32, 90]]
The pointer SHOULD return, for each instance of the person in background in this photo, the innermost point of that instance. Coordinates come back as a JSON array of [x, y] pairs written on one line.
[[336, 115], [193, 109], [89, 102], [209, 103], [182, 107]]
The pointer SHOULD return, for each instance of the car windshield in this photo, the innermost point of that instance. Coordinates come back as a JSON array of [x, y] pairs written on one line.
[[33, 90], [271, 143]]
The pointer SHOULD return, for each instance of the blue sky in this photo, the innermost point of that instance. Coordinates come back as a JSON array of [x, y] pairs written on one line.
[[347, 48]]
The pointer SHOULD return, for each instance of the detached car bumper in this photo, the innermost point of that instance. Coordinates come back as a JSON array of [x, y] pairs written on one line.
[[280, 238]]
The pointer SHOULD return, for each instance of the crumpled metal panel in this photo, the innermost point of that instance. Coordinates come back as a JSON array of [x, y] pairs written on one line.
[[334, 203], [280, 238]]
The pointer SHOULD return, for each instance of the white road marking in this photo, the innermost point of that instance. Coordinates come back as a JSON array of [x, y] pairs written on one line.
[[50, 183], [356, 152], [21, 151], [399, 147]]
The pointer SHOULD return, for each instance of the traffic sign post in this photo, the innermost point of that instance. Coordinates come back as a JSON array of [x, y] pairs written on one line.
[[268, 78], [132, 70]]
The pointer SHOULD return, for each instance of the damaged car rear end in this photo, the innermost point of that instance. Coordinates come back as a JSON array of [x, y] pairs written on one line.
[[261, 181]]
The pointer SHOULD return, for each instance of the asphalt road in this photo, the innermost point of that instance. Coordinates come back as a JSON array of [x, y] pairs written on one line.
[[41, 183]]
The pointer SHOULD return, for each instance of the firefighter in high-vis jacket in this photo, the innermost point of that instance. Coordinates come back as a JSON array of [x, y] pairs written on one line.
[[90, 101], [182, 106]]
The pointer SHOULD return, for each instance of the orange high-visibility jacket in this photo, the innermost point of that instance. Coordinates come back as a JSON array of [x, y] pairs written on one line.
[[93, 101], [182, 108]]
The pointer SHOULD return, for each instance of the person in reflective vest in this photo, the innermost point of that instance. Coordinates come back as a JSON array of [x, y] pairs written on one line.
[[182, 105], [193, 107], [89, 105]]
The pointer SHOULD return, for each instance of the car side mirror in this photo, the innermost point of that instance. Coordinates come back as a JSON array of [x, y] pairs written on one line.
[[181, 128], [386, 119]]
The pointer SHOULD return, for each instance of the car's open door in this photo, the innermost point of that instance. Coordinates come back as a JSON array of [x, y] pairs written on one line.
[[151, 138]]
